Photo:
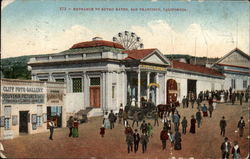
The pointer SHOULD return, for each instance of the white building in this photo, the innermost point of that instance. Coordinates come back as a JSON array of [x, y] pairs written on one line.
[[101, 75], [235, 66]]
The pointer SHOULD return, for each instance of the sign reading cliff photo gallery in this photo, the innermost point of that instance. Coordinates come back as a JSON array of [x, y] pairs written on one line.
[[22, 95]]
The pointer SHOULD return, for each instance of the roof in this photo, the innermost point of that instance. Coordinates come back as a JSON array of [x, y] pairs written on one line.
[[97, 43], [236, 49], [138, 54], [195, 68]]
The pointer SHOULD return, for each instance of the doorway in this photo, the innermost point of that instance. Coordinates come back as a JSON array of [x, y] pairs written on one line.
[[191, 88], [95, 97], [171, 91], [94, 92], [23, 121]]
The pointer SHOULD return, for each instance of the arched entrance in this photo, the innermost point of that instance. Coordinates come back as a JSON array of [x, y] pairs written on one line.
[[171, 91]]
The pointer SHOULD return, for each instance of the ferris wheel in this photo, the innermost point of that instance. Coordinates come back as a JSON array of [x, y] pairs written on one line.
[[129, 40]]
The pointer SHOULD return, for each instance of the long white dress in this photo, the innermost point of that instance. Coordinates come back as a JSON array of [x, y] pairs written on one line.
[[106, 122]]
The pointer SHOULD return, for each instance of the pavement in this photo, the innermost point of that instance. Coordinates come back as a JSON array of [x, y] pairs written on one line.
[[204, 144]]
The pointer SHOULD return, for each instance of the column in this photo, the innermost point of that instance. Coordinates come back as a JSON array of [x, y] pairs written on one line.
[[68, 83], [148, 81], [107, 92], [125, 84], [157, 90], [139, 89], [103, 96], [165, 88], [85, 89]]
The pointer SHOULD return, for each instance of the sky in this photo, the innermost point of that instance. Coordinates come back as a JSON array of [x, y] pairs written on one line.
[[200, 27]]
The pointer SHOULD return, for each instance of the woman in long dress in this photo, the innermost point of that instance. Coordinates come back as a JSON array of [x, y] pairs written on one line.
[[106, 121], [75, 128], [193, 122]]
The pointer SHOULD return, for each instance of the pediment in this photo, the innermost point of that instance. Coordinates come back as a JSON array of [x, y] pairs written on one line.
[[156, 58], [235, 58]]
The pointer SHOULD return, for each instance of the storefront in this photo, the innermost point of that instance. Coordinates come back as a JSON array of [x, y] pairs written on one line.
[[24, 107]]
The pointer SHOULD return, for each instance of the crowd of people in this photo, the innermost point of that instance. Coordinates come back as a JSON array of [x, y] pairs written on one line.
[[171, 123]]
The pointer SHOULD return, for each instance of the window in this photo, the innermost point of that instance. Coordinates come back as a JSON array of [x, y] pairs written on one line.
[[95, 81], [6, 123], [60, 80], [77, 84], [39, 120], [244, 83], [233, 83], [39, 115], [7, 115]]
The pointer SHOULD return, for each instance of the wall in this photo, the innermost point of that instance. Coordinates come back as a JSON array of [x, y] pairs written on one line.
[[74, 102], [202, 84]]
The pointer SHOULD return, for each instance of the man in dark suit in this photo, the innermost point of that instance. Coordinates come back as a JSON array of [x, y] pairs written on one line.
[[223, 125], [136, 140], [225, 148], [51, 128]]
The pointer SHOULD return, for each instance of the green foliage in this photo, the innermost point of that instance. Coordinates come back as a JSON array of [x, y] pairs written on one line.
[[15, 68]]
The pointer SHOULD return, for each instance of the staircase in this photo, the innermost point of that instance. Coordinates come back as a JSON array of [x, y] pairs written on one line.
[[95, 112], [83, 114]]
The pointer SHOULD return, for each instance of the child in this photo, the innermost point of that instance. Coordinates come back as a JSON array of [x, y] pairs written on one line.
[[102, 131]]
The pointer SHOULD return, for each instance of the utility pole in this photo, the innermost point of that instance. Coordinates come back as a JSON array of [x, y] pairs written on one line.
[[195, 51]]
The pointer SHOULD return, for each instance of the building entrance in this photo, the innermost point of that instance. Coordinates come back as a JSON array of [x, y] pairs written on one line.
[[171, 91], [191, 88], [23, 121], [94, 92]]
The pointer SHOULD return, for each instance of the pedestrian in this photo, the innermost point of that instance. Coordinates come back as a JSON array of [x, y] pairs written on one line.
[[177, 142], [128, 130], [149, 130], [164, 137], [70, 125], [210, 109], [236, 150], [246, 96], [192, 127], [156, 116], [225, 148], [120, 114], [192, 101], [135, 118], [136, 140], [233, 98], [51, 128], [125, 118], [176, 121], [75, 128], [130, 141], [214, 103], [204, 110], [112, 119], [241, 125], [184, 102], [198, 118], [223, 125], [143, 127], [106, 121], [102, 131], [241, 97], [144, 141], [184, 125]]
